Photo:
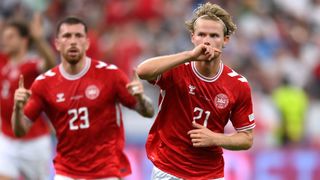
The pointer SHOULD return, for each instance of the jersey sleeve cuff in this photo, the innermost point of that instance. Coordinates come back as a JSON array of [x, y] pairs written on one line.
[[155, 81], [245, 128]]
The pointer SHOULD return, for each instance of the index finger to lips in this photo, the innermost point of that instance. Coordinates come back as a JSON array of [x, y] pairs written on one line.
[[217, 50]]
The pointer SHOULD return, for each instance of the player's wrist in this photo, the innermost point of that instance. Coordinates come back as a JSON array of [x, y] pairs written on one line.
[[17, 106], [218, 140], [188, 56]]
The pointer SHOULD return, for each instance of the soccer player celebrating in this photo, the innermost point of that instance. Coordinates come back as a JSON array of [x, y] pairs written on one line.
[[199, 94], [81, 97], [30, 156]]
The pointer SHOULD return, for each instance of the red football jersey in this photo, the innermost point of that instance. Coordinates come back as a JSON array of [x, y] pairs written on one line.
[[9, 82], [188, 96], [84, 110]]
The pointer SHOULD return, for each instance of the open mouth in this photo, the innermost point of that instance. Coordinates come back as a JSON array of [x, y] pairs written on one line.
[[73, 51]]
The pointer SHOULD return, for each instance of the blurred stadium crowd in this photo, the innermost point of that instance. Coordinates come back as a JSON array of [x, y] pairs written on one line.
[[276, 47]]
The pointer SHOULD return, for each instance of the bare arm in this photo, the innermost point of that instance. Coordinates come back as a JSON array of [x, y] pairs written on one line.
[[20, 124], [43, 47], [203, 137], [144, 104], [151, 68]]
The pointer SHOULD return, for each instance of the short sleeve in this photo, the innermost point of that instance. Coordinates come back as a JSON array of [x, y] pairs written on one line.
[[242, 116], [123, 94], [34, 106], [164, 80]]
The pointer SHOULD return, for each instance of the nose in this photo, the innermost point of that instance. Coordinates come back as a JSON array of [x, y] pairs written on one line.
[[206, 41], [73, 40]]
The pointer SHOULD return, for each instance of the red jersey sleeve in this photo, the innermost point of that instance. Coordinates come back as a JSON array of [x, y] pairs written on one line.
[[123, 94], [34, 106], [164, 80], [242, 116]]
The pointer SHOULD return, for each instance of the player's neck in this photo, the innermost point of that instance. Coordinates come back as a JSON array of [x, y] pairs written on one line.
[[74, 69], [208, 69], [17, 57]]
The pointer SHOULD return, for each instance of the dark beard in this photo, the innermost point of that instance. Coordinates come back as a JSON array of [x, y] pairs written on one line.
[[72, 60]]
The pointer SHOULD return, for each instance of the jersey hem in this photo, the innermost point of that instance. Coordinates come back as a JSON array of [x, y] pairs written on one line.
[[58, 172], [168, 171]]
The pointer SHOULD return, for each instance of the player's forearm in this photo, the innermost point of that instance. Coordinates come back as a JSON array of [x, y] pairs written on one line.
[[45, 52], [145, 106], [151, 68], [20, 125], [237, 141]]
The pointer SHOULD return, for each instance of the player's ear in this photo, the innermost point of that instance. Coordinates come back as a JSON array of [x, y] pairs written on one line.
[[192, 37], [57, 44], [87, 43], [226, 40]]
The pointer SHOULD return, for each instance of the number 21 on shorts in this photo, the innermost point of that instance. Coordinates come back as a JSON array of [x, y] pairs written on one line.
[[198, 113]]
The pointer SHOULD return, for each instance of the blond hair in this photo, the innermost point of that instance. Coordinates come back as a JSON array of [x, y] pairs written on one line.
[[212, 12]]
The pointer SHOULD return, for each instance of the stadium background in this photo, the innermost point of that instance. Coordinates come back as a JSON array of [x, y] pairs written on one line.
[[276, 47]]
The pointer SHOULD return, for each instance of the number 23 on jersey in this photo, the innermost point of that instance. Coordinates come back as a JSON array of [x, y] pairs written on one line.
[[80, 114]]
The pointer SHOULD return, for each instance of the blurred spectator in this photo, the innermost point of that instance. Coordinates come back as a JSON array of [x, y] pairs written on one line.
[[292, 104], [28, 157]]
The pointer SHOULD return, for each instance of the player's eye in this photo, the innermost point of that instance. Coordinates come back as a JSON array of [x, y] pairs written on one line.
[[66, 35], [79, 35], [214, 35], [201, 34]]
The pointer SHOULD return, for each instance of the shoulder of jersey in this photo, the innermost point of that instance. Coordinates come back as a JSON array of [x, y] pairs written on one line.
[[96, 64], [234, 76], [49, 73], [103, 65]]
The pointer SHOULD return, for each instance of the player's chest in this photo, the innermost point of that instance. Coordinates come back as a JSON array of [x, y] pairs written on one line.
[[210, 95], [72, 94]]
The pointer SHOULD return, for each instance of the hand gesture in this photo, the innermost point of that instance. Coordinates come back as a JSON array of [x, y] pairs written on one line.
[[21, 95], [204, 52], [202, 136], [135, 87], [36, 28]]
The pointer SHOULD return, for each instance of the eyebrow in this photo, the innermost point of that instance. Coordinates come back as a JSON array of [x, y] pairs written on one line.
[[71, 33]]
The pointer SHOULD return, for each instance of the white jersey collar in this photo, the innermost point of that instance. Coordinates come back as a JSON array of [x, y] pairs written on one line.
[[76, 76], [204, 78]]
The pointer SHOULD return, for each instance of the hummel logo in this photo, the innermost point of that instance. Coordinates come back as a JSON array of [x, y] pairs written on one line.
[[60, 97], [191, 89]]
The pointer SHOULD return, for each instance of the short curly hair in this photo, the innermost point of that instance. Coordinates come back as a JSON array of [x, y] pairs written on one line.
[[213, 12]]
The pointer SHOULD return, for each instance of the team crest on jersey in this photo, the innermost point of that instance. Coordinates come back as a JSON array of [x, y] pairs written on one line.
[[221, 101], [92, 92]]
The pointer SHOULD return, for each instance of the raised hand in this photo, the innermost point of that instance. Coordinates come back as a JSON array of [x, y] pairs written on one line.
[[203, 137], [36, 28], [204, 52], [135, 87], [22, 94]]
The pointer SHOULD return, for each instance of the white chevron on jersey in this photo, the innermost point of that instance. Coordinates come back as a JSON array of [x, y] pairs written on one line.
[[101, 65]]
